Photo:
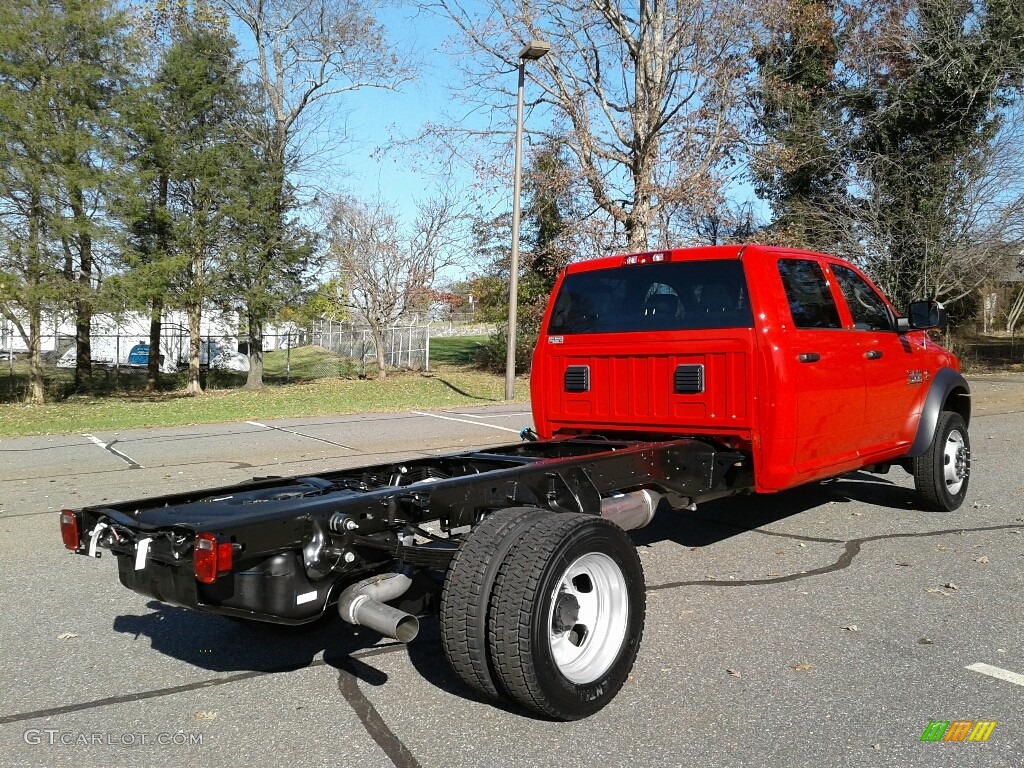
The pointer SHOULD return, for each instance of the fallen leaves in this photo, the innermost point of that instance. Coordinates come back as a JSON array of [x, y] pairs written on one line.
[[67, 636], [801, 667], [983, 559], [733, 673], [951, 585], [205, 716], [851, 628]]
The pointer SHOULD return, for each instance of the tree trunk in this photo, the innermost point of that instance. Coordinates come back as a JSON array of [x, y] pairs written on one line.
[[255, 378], [36, 394], [1015, 312], [195, 311], [195, 386], [83, 304], [157, 309], [378, 341], [36, 390], [155, 324]]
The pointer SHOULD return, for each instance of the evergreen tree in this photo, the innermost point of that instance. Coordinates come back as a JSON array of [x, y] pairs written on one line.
[[880, 122], [801, 167], [61, 66], [926, 112], [89, 67], [193, 177], [547, 210]]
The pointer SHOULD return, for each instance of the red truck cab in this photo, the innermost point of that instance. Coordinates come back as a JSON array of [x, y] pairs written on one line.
[[792, 356]]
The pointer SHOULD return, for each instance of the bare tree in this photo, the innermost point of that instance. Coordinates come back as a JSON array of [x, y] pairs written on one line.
[[644, 95], [1016, 310], [935, 156], [306, 52], [385, 269], [971, 236]]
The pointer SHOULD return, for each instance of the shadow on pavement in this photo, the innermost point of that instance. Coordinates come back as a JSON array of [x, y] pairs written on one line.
[[221, 644], [719, 520]]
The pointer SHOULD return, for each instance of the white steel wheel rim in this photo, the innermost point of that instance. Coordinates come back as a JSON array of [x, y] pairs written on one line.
[[588, 617], [954, 459]]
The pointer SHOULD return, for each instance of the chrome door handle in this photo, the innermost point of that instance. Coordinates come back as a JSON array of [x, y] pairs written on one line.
[[809, 357], [873, 354]]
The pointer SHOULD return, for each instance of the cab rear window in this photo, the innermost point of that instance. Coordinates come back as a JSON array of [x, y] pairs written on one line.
[[671, 296]]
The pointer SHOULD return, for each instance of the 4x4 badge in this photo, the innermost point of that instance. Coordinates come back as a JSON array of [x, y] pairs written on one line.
[[915, 377]]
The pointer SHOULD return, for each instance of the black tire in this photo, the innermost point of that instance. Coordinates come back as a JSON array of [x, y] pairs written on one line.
[[941, 475], [572, 582], [467, 592]]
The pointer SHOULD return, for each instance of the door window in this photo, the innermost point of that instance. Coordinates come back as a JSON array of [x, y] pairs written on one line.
[[867, 308], [810, 301]]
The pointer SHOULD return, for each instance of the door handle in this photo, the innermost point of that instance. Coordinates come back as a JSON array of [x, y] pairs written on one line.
[[873, 354], [809, 357]]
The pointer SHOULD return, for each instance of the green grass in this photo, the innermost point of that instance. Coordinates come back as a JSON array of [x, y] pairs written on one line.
[[456, 350], [305, 364], [446, 387]]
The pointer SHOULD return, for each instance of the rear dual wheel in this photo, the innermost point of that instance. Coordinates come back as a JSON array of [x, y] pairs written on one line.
[[564, 612]]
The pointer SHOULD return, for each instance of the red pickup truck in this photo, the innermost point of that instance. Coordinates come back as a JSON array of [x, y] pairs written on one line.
[[794, 358], [661, 378]]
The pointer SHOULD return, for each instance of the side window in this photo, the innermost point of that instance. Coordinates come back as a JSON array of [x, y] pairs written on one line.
[[810, 301], [868, 310]]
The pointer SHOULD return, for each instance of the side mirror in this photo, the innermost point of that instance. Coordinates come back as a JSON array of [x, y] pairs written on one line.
[[922, 315]]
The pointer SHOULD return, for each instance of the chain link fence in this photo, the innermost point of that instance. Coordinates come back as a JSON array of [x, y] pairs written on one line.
[[120, 360], [405, 346]]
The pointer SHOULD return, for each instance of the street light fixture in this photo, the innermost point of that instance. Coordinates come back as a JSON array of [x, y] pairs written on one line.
[[533, 50]]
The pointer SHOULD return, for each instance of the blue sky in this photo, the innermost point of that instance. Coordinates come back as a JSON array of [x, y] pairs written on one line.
[[371, 118]]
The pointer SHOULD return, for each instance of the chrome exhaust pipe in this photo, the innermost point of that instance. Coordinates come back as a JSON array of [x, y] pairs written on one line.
[[363, 604], [630, 511]]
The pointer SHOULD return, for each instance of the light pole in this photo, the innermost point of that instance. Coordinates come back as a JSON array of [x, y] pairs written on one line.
[[532, 51]]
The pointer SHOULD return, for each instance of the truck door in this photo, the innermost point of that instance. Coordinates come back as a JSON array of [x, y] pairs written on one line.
[[821, 367], [893, 368]]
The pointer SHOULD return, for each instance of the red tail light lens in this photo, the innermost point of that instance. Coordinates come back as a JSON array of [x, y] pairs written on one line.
[[224, 552], [211, 558], [205, 558], [69, 529]]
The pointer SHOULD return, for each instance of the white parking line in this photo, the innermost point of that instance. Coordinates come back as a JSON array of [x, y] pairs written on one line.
[[1001, 674], [509, 415], [467, 421], [132, 463]]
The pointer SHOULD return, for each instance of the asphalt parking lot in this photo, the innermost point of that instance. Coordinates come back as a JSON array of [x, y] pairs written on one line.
[[822, 627]]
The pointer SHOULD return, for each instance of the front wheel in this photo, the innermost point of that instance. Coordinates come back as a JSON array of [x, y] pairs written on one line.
[[942, 473], [565, 623]]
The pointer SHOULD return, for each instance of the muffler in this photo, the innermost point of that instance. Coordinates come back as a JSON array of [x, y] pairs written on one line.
[[630, 510], [363, 604]]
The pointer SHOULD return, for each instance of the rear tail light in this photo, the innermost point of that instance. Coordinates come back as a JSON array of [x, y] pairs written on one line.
[[211, 558], [69, 529]]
